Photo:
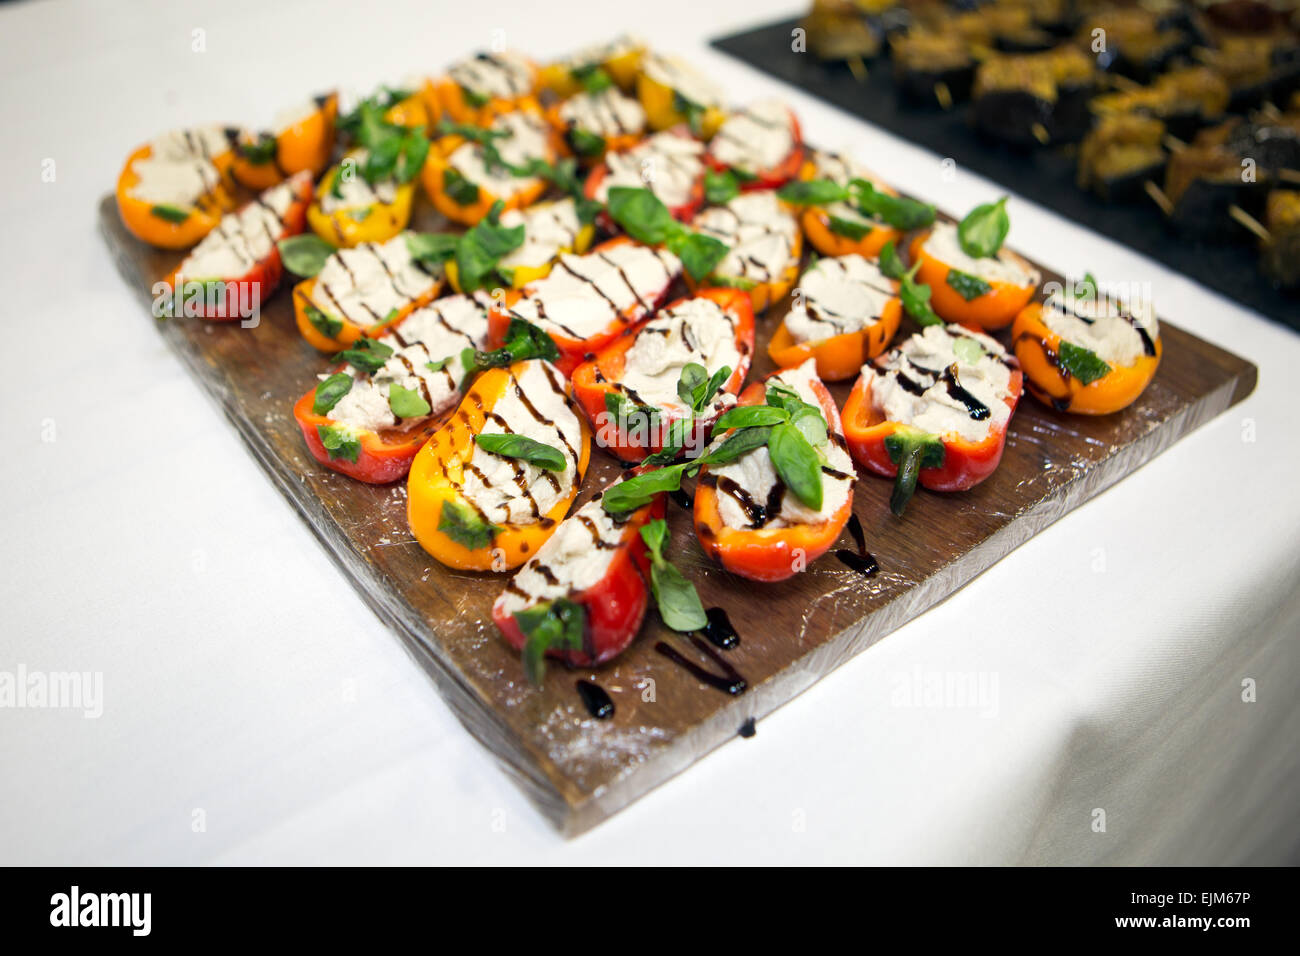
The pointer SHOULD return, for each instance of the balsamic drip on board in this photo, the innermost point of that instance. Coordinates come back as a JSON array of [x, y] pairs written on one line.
[[861, 560], [595, 699], [729, 681], [719, 630]]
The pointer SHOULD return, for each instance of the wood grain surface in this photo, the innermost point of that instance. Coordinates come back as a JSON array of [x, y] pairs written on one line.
[[579, 770]]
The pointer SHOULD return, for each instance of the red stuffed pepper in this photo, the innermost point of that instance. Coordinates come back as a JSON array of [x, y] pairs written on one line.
[[587, 301], [371, 415], [633, 391], [582, 597], [236, 267], [760, 144], [778, 489], [934, 410], [670, 164]]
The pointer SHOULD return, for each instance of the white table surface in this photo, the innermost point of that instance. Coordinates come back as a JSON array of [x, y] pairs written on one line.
[[246, 687]]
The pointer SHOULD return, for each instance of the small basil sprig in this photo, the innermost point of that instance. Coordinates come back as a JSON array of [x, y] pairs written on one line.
[[696, 388], [551, 625], [460, 522], [897, 211], [305, 255], [914, 295], [330, 391], [340, 441], [1084, 364], [477, 251], [720, 187], [984, 229], [967, 286], [524, 448], [646, 219], [593, 77], [366, 355], [392, 151], [678, 602], [407, 402], [259, 151], [523, 341]]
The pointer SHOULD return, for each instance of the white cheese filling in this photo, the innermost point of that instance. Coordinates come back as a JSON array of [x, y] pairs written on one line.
[[506, 75], [601, 53], [527, 139], [842, 169], [836, 296], [683, 79], [698, 330], [242, 239], [751, 495], [583, 295], [365, 284], [1007, 267], [576, 557], [353, 191], [756, 138], [178, 170], [510, 490], [605, 114], [549, 229], [289, 117], [667, 164], [440, 330], [1112, 330], [760, 233], [920, 383]]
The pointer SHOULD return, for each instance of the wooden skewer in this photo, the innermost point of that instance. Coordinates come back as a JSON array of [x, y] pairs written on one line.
[[1289, 175], [1123, 82], [1250, 222], [943, 95], [1040, 133], [1269, 110], [858, 68], [1158, 194], [1174, 144]]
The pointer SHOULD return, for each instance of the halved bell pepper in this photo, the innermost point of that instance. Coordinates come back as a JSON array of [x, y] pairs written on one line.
[[1048, 380], [376, 222], [909, 455], [447, 524], [573, 350], [775, 176], [519, 275], [768, 554], [593, 146], [611, 610], [461, 107], [173, 227], [599, 174], [993, 309], [373, 457], [595, 379], [821, 229], [620, 59], [762, 295], [256, 285], [262, 161], [665, 108]]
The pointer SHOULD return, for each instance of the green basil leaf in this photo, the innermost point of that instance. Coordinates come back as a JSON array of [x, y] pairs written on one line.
[[915, 297], [796, 464], [813, 192], [459, 189], [585, 142], [326, 325], [432, 248], [340, 441], [811, 423], [655, 533], [747, 416], [699, 253], [642, 214], [673, 444], [984, 229], [305, 255], [474, 98], [329, 391], [407, 402], [638, 491], [716, 381], [1086, 288], [439, 365], [737, 444], [484, 245], [969, 287], [169, 213], [593, 77], [780, 395], [556, 625], [679, 604], [848, 228], [366, 354], [720, 187], [890, 263], [524, 448], [523, 341], [460, 522], [967, 350], [415, 150], [692, 377], [629, 414], [259, 152], [897, 211], [1084, 364]]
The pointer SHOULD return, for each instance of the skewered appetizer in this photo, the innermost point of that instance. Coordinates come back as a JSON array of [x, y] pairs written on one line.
[[1184, 99], [846, 312], [598, 119], [1139, 43], [935, 410], [973, 280], [636, 391], [1256, 68], [674, 92], [1035, 99], [582, 597], [620, 58], [586, 301], [786, 492], [760, 145], [670, 164], [1087, 353], [359, 288], [763, 243], [239, 261], [1280, 252], [491, 485], [1120, 154], [172, 191], [369, 417], [483, 86], [469, 171], [933, 68], [837, 30], [302, 138]]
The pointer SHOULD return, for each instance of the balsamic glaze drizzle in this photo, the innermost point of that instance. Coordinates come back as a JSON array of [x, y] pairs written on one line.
[[729, 681], [719, 630], [862, 560], [595, 699]]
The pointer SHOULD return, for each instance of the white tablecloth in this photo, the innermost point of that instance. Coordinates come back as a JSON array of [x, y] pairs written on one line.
[[255, 711]]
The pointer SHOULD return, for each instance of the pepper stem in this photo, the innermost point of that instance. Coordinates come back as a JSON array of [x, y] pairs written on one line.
[[911, 450]]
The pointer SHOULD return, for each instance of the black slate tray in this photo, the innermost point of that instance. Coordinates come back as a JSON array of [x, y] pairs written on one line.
[[1046, 175]]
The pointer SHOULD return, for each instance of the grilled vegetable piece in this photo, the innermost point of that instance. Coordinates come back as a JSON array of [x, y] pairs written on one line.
[[774, 508], [934, 410], [587, 301], [369, 417], [1184, 100], [240, 257], [1280, 253], [837, 30], [479, 508], [633, 390], [301, 140], [933, 68], [1035, 99], [764, 245], [1120, 154], [1088, 354], [846, 313], [1139, 43], [480, 88], [173, 191]]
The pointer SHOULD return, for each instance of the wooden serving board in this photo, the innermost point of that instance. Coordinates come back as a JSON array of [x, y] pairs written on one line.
[[580, 770]]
